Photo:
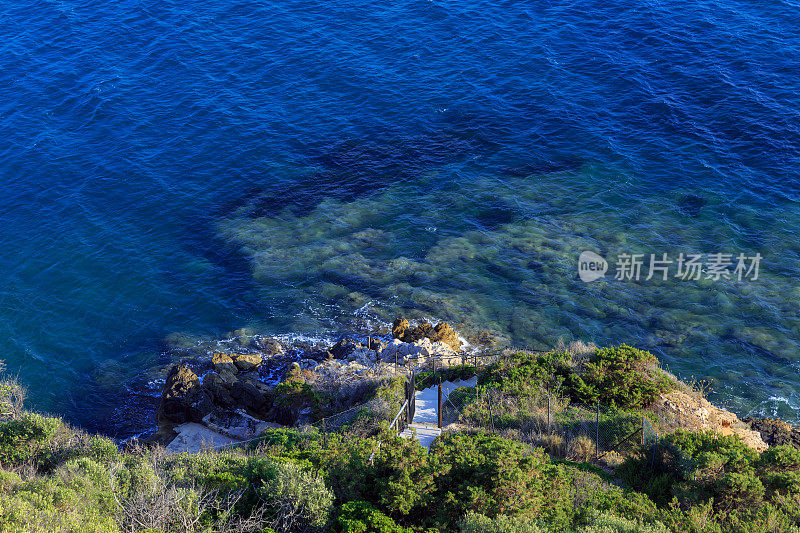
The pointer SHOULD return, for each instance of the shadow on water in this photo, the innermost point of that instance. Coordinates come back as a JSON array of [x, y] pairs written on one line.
[[691, 204], [350, 169], [548, 166]]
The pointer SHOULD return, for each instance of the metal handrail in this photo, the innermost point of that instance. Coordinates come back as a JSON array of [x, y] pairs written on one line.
[[391, 425], [400, 412]]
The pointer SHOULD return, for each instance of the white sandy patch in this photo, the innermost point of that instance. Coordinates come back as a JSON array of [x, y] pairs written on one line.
[[193, 437]]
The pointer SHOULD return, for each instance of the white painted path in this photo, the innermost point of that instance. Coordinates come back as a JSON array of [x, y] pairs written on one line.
[[426, 417]]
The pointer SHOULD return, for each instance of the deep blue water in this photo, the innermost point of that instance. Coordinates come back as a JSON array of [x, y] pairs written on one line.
[[196, 168]]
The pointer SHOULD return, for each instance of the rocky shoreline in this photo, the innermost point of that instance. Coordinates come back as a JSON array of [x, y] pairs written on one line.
[[238, 394], [262, 382]]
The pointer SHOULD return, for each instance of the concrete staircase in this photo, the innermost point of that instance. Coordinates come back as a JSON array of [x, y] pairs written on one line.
[[426, 414], [425, 433]]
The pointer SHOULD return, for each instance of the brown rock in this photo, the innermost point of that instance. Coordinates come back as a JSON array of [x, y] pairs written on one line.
[[442, 332], [248, 396], [223, 363], [775, 432], [344, 347], [446, 334], [399, 328], [420, 332], [183, 398], [246, 361], [220, 390], [685, 410]]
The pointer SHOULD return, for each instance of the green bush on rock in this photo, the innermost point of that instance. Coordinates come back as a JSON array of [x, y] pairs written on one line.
[[622, 377]]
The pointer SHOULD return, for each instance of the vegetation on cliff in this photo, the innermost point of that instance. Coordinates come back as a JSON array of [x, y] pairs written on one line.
[[56, 478]]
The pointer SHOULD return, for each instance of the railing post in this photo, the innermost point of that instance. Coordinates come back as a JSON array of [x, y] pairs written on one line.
[[597, 433], [439, 410], [642, 430], [548, 414]]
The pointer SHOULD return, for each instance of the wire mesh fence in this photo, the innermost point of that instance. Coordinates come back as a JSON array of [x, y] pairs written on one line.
[[566, 431], [368, 413]]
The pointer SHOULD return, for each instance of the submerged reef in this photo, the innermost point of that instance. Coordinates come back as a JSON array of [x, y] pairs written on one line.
[[499, 263]]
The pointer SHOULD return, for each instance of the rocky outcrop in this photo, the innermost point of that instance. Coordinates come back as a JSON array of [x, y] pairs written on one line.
[[418, 351], [442, 332], [234, 362], [220, 390], [251, 397], [183, 398], [246, 361], [231, 389], [231, 386], [223, 363], [775, 432], [344, 348], [399, 328], [690, 411]]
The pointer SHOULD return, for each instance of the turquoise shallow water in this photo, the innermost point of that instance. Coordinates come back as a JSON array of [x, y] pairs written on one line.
[[303, 167]]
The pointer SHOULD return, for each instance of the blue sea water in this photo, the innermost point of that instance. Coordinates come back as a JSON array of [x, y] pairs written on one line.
[[152, 154]]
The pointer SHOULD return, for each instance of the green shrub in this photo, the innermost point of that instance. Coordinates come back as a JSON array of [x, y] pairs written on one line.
[[75, 498], [609, 523], [697, 467], [297, 497], [363, 517], [486, 474], [477, 523], [780, 458], [623, 376], [22, 439], [528, 374], [103, 450]]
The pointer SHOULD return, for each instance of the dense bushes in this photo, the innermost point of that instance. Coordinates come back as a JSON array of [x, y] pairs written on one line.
[[53, 478], [363, 517], [708, 477], [306, 481], [622, 377], [598, 523], [23, 438], [485, 474]]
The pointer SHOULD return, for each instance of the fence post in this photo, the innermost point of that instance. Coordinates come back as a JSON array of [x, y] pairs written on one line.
[[548, 414], [597, 434], [488, 399], [642, 430], [439, 410]]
